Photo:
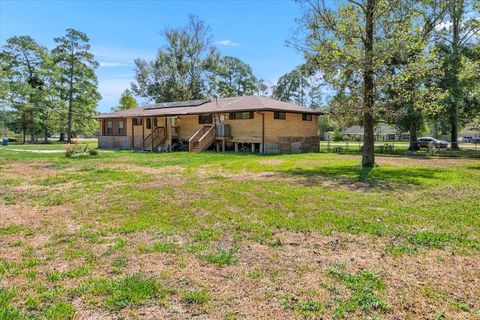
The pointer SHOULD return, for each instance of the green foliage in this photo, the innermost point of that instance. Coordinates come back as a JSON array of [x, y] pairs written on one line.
[[231, 77], [337, 136], [79, 150], [298, 86], [78, 81], [178, 71], [29, 80], [127, 101]]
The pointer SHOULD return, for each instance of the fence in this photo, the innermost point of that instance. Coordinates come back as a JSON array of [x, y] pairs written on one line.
[[396, 147]]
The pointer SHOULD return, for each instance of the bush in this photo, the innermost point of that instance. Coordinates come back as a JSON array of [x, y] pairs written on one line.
[[79, 150], [386, 149], [337, 136]]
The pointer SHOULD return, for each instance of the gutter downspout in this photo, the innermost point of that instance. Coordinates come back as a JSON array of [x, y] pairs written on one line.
[[263, 131]]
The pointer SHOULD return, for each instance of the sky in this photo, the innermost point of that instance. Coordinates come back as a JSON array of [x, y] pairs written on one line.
[[120, 31]]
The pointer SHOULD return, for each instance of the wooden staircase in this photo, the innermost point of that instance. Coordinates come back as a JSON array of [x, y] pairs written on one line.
[[154, 139], [202, 139]]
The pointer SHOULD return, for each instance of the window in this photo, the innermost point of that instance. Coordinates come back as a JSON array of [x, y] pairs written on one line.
[[391, 137], [149, 123], [137, 121], [121, 130], [241, 115], [279, 115], [205, 119], [306, 117], [109, 131], [155, 122]]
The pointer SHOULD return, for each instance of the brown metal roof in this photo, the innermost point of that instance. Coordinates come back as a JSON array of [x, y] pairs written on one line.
[[245, 103]]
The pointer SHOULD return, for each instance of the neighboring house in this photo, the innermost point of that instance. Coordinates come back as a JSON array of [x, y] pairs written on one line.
[[469, 134], [383, 132], [249, 123]]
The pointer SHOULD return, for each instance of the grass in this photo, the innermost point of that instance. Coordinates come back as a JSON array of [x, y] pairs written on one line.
[[365, 291], [196, 296], [126, 232], [221, 256]]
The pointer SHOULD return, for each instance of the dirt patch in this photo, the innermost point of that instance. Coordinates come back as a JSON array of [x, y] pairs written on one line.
[[271, 162], [147, 170], [425, 162]]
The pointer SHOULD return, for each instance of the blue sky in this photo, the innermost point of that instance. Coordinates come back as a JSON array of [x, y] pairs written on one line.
[[120, 31]]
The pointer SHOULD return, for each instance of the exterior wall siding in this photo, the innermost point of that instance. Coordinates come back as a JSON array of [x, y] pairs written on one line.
[[290, 135]]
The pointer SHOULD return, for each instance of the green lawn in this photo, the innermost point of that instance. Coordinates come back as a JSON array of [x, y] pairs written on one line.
[[237, 236]]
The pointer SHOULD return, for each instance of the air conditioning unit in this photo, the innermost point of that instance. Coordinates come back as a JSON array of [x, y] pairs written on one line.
[[222, 130]]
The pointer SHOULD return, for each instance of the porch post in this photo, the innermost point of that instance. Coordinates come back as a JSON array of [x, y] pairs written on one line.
[[236, 146], [143, 133], [253, 147], [151, 131], [133, 136]]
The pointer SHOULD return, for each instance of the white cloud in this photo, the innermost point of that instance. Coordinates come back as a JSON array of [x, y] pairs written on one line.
[[443, 25], [227, 43], [108, 64], [119, 57]]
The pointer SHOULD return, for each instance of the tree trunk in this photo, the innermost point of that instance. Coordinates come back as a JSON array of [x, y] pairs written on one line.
[[413, 139], [368, 156], [69, 122], [454, 129], [457, 13], [70, 98]]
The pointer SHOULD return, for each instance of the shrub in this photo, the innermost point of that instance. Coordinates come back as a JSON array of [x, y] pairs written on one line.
[[79, 150], [337, 136]]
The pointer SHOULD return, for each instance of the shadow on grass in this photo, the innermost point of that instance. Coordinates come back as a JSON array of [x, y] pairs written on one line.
[[358, 178]]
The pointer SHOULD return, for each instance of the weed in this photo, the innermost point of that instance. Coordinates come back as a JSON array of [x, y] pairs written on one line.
[[194, 296], [167, 247], [60, 311], [132, 290], [221, 256], [120, 262], [365, 288]]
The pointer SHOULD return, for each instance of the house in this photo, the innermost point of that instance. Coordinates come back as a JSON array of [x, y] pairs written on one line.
[[383, 132], [249, 123]]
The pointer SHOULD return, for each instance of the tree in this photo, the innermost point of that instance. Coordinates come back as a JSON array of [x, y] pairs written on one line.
[[78, 79], [456, 40], [127, 101], [25, 73], [179, 70], [350, 42], [292, 86], [299, 86], [231, 77], [408, 98]]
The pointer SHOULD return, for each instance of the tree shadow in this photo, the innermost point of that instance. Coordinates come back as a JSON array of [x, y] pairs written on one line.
[[365, 179]]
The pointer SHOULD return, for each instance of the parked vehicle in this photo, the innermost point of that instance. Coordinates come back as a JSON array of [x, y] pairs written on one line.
[[424, 141]]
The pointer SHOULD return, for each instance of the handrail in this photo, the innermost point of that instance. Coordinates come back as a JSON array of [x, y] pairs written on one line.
[[153, 135], [194, 138], [206, 140]]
